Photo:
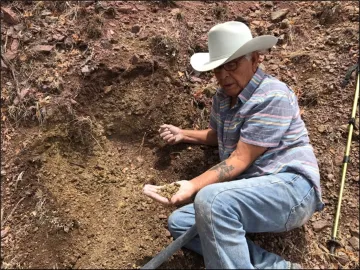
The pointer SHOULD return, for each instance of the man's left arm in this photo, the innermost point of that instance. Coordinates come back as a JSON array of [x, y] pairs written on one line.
[[227, 170]]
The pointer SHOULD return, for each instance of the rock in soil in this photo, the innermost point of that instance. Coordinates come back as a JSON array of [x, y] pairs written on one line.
[[42, 48], [3, 65], [343, 258], [269, 4], [10, 55], [279, 15], [135, 29], [168, 191], [9, 16], [354, 242], [354, 232], [320, 225], [5, 232], [125, 9]]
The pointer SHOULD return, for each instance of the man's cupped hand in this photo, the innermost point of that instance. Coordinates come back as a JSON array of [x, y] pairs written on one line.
[[184, 195]]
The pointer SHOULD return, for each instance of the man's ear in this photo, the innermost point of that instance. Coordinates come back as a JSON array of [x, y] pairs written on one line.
[[254, 61]]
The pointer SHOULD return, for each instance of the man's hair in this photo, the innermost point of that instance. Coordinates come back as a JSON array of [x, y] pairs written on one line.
[[248, 56]]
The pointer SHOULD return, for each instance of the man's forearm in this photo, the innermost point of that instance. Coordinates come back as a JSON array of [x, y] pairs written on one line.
[[207, 136], [226, 170], [229, 169]]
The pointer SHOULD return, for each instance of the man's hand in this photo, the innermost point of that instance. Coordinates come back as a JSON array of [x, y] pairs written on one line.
[[171, 134], [184, 194], [152, 192]]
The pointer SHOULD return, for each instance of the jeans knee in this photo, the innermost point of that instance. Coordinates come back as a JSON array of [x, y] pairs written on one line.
[[215, 200], [203, 202], [172, 222]]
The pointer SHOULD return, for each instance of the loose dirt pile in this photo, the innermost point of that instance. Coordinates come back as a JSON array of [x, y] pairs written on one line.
[[85, 86]]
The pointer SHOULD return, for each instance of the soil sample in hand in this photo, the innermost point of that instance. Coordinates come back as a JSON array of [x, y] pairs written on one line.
[[168, 191]]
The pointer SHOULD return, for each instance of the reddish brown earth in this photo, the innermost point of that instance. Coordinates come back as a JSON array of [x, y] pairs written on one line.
[[84, 89]]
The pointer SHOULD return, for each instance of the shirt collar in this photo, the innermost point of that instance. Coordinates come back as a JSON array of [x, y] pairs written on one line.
[[250, 88]]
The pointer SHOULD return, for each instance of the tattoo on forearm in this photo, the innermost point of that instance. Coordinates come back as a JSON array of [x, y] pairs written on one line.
[[223, 169]]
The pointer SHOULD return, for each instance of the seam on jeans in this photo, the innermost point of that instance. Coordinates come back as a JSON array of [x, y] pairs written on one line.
[[212, 228], [292, 209]]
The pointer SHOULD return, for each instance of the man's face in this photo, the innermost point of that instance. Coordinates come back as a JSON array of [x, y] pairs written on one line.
[[236, 74]]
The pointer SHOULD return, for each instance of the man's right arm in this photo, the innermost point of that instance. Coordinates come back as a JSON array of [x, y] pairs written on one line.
[[173, 135], [207, 136]]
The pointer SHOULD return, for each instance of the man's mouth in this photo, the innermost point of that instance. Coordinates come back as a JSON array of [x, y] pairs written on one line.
[[228, 85]]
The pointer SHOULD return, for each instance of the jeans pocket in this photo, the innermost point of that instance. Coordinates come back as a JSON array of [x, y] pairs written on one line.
[[302, 212]]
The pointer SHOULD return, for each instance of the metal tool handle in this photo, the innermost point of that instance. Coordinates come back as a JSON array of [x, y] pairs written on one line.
[[332, 242], [171, 249]]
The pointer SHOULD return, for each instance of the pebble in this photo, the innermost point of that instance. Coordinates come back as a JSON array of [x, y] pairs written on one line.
[[9, 16], [140, 160], [125, 9], [269, 4], [320, 225], [42, 48], [85, 70], [190, 25], [3, 67], [354, 242], [285, 24], [343, 258], [321, 128], [5, 232], [135, 29], [134, 59], [354, 232], [143, 36], [279, 15]]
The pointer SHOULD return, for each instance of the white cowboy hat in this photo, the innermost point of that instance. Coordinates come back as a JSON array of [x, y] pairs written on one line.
[[227, 41]]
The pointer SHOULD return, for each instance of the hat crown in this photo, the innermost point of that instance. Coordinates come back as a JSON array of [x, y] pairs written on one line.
[[225, 38]]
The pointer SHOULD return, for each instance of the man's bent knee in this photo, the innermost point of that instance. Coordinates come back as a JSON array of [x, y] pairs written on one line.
[[173, 223], [206, 201]]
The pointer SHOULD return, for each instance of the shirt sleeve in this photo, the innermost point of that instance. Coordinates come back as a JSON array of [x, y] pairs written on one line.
[[268, 121], [214, 115]]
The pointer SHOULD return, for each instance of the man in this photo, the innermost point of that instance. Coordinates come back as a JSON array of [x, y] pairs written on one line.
[[268, 178]]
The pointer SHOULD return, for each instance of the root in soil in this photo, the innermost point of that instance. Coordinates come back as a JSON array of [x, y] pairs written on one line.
[[170, 190]]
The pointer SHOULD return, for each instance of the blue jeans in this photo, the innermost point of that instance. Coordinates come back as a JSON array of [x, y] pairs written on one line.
[[224, 212]]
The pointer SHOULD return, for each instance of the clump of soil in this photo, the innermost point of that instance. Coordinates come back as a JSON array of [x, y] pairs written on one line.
[[170, 190]]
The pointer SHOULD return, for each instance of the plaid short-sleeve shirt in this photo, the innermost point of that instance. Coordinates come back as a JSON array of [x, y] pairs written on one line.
[[266, 114]]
